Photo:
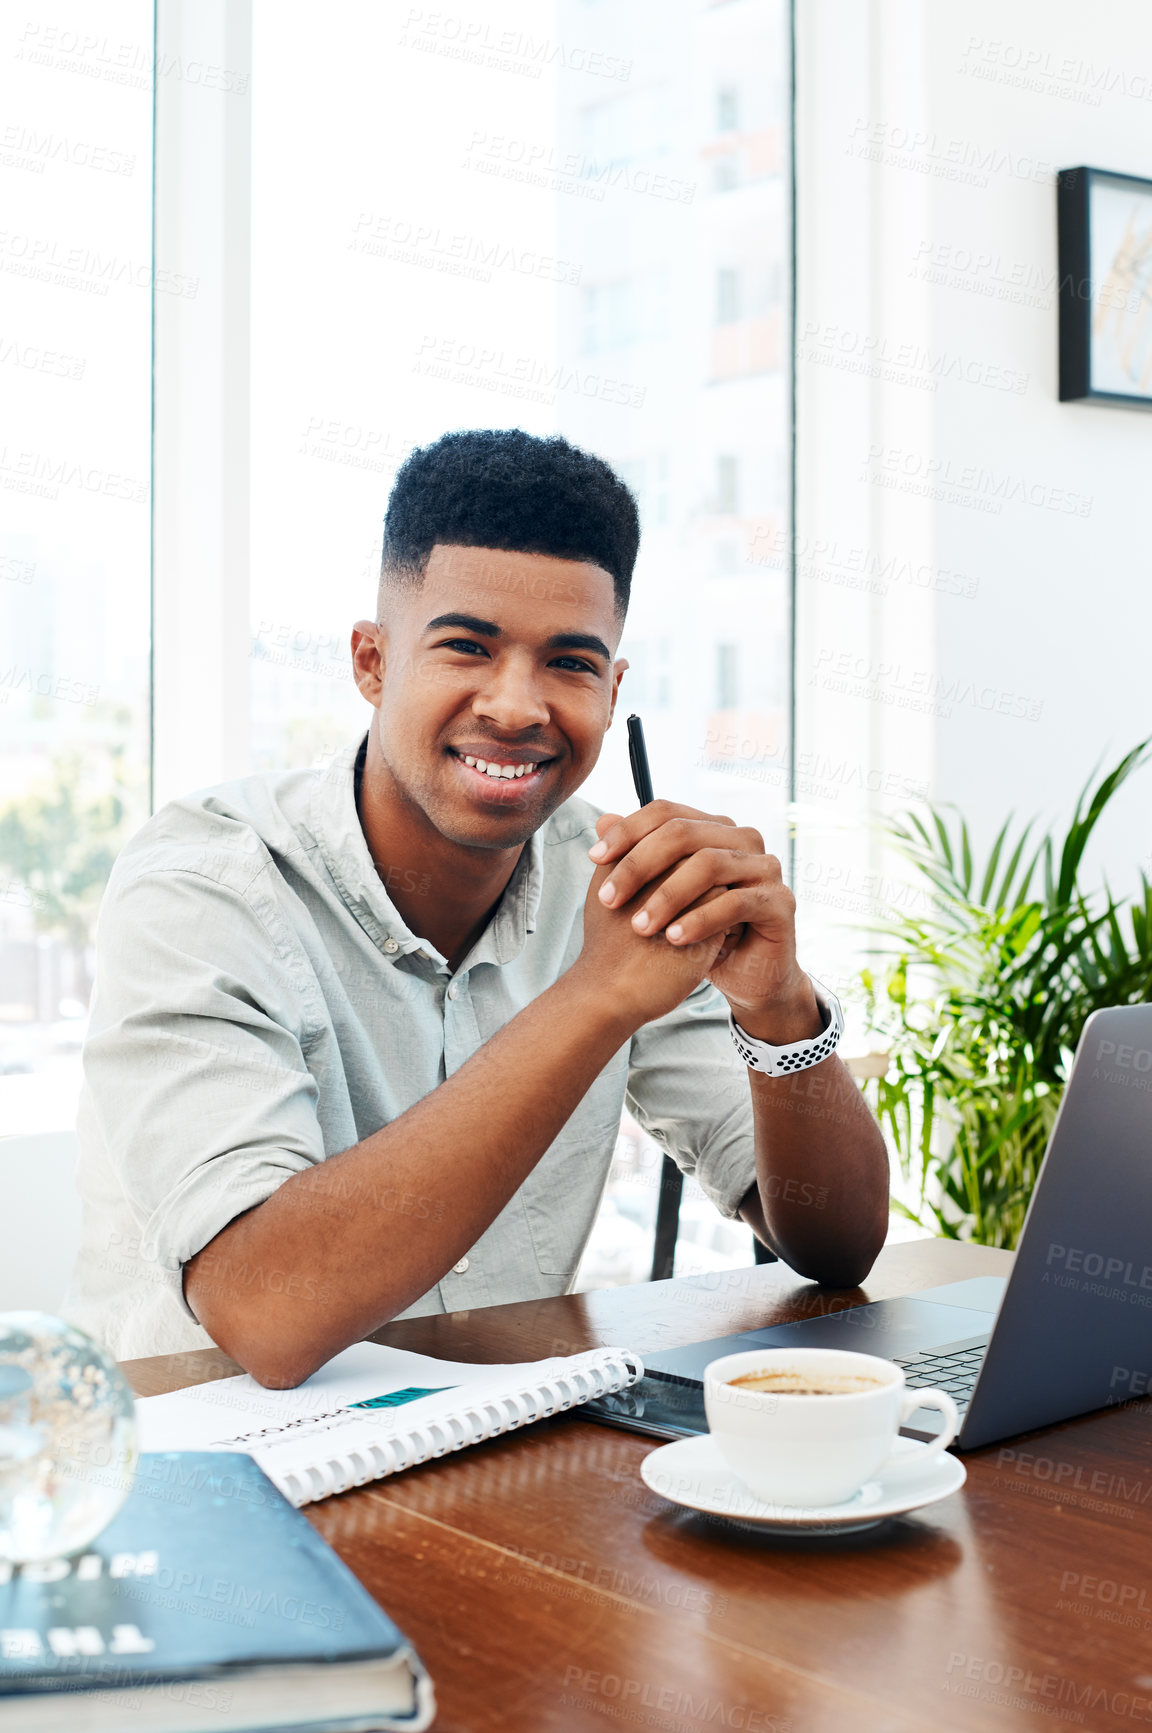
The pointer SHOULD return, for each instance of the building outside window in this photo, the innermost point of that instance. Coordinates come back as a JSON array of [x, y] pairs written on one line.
[[727, 483], [75, 359], [727, 296], [727, 676], [592, 244], [727, 108]]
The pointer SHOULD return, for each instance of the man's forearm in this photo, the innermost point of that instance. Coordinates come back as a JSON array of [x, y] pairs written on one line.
[[821, 1165], [351, 1261]]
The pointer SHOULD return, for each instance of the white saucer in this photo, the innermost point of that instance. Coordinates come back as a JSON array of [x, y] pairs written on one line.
[[693, 1473]]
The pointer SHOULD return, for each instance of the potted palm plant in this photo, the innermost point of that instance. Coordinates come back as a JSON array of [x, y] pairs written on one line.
[[981, 1000]]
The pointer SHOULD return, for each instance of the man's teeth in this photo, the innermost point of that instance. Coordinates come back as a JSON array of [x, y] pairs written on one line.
[[510, 771]]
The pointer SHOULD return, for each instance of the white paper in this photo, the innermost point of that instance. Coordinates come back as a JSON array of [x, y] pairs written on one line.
[[215, 1416], [288, 1431]]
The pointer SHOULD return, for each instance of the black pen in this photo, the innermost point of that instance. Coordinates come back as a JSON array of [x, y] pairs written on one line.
[[638, 758], [671, 1178]]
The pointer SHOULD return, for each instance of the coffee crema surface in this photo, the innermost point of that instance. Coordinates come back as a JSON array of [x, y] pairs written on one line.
[[796, 1383]]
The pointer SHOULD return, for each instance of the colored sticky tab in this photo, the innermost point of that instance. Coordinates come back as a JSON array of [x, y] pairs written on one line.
[[397, 1398]]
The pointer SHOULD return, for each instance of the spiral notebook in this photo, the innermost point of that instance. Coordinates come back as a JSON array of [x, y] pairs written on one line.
[[374, 1411]]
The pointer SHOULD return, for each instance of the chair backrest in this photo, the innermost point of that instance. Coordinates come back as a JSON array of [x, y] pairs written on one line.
[[39, 1220]]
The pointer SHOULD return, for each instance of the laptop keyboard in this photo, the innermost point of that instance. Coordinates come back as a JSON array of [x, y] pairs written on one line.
[[954, 1368]]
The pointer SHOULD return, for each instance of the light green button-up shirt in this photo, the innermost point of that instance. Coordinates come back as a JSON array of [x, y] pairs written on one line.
[[261, 1005]]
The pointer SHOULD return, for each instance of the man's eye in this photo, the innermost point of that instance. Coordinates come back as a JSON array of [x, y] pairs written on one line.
[[462, 644], [578, 662]]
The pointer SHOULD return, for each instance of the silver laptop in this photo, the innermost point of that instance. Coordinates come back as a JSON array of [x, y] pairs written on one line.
[[1068, 1331]]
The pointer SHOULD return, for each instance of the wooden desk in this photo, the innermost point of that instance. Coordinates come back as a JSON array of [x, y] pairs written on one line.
[[546, 1588]]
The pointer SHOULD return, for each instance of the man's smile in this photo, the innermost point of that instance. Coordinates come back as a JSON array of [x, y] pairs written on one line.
[[501, 780]]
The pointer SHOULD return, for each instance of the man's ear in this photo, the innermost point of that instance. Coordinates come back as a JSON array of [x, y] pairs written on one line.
[[368, 647], [619, 669]]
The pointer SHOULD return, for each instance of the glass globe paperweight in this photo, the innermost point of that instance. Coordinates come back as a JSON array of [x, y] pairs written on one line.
[[67, 1438]]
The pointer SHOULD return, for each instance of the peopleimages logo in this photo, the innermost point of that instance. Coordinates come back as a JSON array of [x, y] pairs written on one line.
[[1134, 1379], [1075, 1258], [1092, 1272], [1123, 1066], [1125, 1057]]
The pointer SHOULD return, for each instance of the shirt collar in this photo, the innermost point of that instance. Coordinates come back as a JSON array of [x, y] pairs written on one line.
[[341, 840]]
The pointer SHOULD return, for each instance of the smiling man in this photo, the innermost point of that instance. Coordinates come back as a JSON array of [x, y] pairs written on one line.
[[361, 1037]]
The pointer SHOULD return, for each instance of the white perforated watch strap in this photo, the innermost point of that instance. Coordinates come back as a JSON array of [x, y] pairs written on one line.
[[798, 1055]]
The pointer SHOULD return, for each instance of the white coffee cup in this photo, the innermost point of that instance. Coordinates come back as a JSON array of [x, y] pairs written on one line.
[[816, 1450]]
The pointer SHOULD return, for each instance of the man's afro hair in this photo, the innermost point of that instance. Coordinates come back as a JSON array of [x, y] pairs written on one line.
[[504, 488]]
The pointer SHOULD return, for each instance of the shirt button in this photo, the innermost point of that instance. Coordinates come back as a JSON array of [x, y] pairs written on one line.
[[460, 1267], [453, 989], [391, 946]]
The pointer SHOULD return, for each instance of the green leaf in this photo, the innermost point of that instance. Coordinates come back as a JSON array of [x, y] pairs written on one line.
[[980, 991], [993, 862], [945, 844], [1082, 827], [1005, 891]]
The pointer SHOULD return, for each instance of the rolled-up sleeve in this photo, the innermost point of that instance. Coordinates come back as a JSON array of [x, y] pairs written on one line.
[[688, 1088], [195, 1060]]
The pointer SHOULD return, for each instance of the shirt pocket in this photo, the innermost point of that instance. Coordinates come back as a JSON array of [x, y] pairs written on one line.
[[562, 1193]]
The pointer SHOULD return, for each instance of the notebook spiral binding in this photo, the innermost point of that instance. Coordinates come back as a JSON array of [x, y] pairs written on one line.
[[469, 1425]]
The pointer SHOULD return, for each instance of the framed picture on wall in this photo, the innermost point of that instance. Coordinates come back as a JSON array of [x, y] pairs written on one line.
[[1104, 227]]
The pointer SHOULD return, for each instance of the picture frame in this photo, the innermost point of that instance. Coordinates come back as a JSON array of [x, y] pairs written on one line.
[[1104, 240]]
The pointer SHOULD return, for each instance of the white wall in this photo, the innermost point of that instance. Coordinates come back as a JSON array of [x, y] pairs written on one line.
[[928, 140]]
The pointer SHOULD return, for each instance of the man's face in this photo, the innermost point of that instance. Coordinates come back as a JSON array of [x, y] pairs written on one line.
[[502, 657]]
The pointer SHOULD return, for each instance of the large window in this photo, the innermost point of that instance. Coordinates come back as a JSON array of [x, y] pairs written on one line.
[[75, 268], [571, 218], [567, 217]]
